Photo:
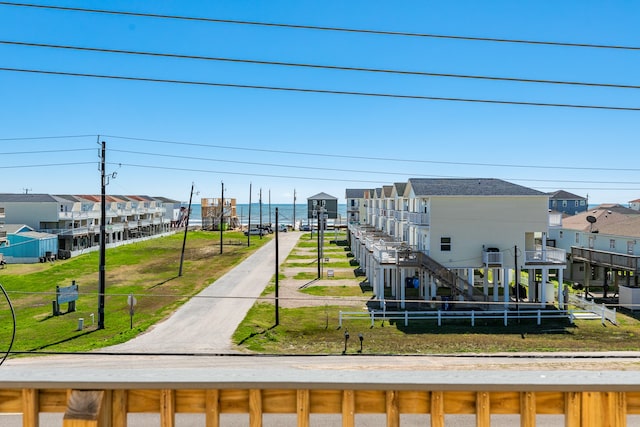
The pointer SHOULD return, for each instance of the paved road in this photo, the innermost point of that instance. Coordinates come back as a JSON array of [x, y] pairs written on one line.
[[207, 322]]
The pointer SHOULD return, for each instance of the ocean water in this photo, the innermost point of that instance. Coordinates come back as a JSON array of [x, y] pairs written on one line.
[[285, 213]]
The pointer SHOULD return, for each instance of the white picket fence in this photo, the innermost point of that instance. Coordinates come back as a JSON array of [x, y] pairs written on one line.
[[440, 315]]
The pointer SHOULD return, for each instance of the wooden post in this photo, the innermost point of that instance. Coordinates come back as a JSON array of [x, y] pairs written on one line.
[[30, 407], [483, 409], [302, 400], [167, 408], [84, 409], [119, 408], [437, 409], [212, 408], [393, 411], [527, 409], [255, 408], [348, 408]]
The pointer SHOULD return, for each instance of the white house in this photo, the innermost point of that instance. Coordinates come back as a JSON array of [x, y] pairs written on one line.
[[454, 232]]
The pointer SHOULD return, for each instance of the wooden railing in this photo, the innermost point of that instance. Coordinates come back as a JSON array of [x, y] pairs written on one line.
[[104, 408]]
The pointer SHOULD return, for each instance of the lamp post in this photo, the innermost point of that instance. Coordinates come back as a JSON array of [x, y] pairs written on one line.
[[346, 339]]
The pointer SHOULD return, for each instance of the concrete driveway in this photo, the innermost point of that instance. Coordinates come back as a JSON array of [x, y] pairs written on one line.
[[207, 322]]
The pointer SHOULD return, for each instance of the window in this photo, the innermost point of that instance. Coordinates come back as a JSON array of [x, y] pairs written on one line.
[[630, 246], [577, 238], [564, 203], [581, 202], [561, 233], [445, 244], [612, 244], [577, 203]]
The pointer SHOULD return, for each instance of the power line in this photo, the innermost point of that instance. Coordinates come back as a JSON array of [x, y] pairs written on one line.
[[321, 91], [46, 165], [322, 28], [46, 137], [377, 172], [385, 159], [68, 150], [322, 67]]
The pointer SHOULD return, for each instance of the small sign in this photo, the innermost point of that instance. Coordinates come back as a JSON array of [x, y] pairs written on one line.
[[67, 294], [329, 273]]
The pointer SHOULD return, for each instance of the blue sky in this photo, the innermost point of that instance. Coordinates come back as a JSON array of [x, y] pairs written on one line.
[[161, 137]]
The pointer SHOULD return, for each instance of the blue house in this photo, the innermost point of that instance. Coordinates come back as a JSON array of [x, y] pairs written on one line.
[[567, 203], [26, 246]]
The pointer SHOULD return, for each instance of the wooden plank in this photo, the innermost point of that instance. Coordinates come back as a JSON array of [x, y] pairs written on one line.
[[326, 401], [234, 401], [572, 409], [10, 401], [370, 402], [527, 409], [483, 409], [190, 401], [393, 413], [30, 407], [278, 401], [614, 411], [167, 408], [414, 402], [633, 402], [212, 408], [348, 408], [255, 408], [53, 400], [119, 408], [437, 409], [621, 409], [85, 409], [302, 407], [550, 402], [143, 401], [503, 403], [459, 402]]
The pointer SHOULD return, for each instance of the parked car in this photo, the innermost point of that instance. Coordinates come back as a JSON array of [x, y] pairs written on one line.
[[305, 228], [255, 232], [283, 228]]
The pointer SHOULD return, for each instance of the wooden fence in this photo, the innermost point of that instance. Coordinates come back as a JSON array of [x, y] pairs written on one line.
[[104, 407]]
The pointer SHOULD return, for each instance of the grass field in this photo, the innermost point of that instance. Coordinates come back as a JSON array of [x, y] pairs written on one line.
[[148, 270]]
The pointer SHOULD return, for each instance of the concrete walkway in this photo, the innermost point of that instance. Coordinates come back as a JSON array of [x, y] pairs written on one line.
[[206, 323]]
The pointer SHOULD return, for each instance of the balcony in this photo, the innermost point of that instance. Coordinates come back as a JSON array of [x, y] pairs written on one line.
[[545, 256], [417, 218], [606, 259]]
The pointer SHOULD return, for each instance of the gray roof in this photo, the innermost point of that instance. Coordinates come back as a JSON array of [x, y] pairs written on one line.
[[400, 187], [166, 200], [22, 198], [355, 193], [322, 196], [564, 195], [469, 187], [15, 228]]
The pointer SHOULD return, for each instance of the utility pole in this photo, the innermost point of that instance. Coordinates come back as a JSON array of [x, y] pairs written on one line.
[[277, 268], [260, 232], [249, 223], [270, 223], [103, 234], [515, 256], [221, 215], [293, 226], [186, 228]]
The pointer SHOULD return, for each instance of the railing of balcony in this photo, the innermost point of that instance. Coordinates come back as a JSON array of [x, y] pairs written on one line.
[[417, 218], [609, 259], [545, 255], [590, 398]]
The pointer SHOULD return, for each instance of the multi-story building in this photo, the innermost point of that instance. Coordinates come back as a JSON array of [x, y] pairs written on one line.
[[457, 234], [604, 250], [75, 219], [567, 203], [216, 211], [356, 205]]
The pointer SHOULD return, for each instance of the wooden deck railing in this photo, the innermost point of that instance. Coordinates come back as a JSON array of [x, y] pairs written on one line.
[[606, 405]]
